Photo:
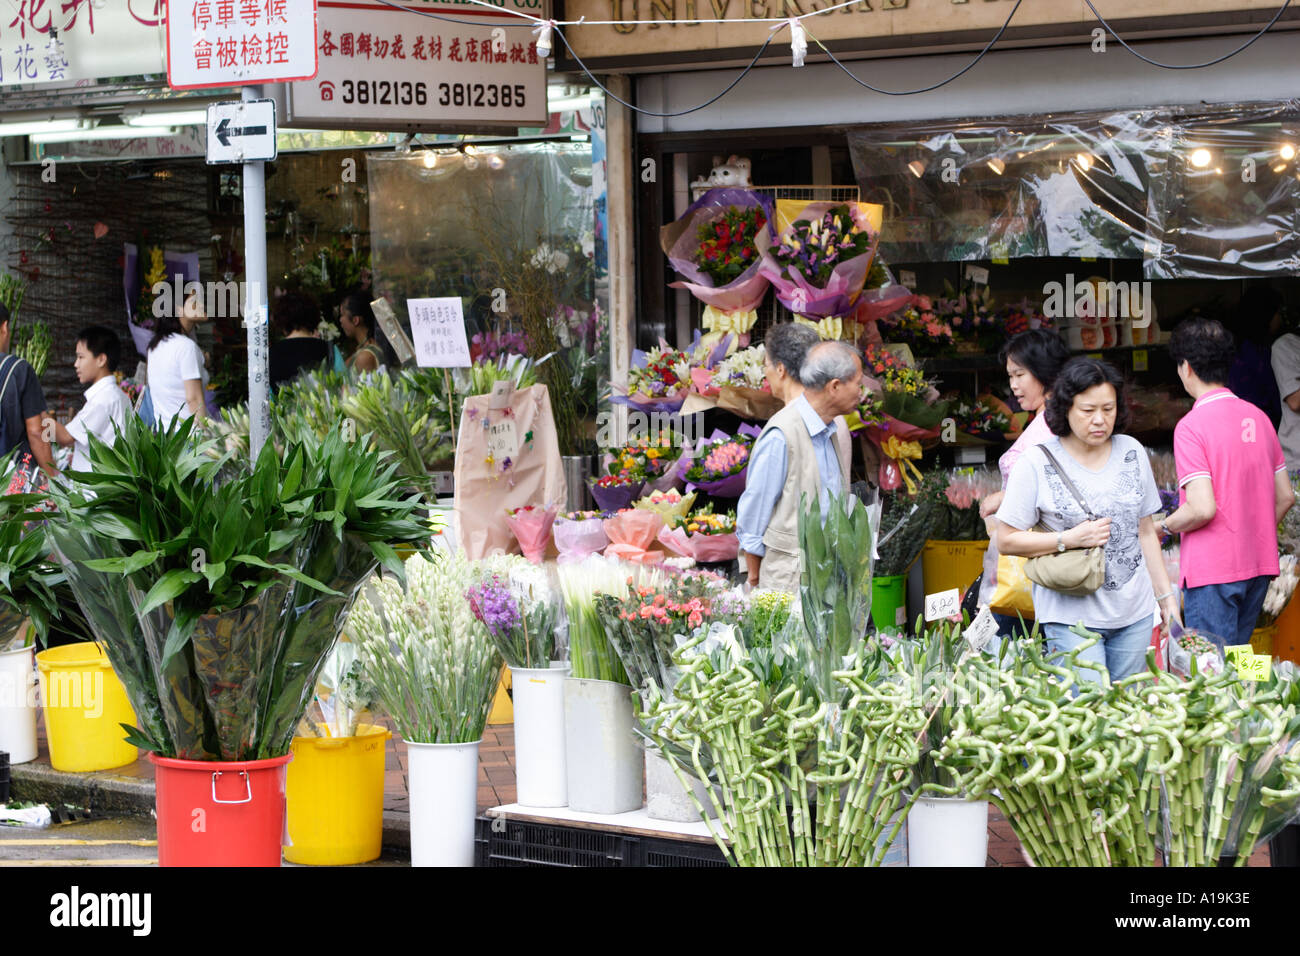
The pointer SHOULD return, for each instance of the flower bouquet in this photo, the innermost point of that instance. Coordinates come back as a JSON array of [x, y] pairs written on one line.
[[654, 459], [1021, 317], [520, 611], [719, 246], [958, 515], [980, 421], [578, 534], [671, 504], [739, 384], [919, 327], [659, 380], [823, 258], [616, 492], [703, 536], [631, 533], [719, 467], [531, 526], [974, 320], [909, 399], [1279, 592]]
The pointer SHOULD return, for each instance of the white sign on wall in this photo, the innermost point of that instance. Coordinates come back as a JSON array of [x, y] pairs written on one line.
[[438, 328], [383, 67], [59, 41], [239, 42]]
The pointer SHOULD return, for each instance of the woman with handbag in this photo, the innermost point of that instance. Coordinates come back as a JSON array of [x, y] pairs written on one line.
[[1080, 507], [1032, 359]]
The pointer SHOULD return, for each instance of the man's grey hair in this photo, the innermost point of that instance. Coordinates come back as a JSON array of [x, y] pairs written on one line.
[[787, 345], [828, 361]]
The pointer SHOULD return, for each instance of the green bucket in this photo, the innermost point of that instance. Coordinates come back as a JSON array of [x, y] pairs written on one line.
[[889, 601]]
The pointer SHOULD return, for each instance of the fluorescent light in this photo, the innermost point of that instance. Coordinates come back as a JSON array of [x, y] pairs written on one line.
[[44, 126], [174, 118], [105, 132]]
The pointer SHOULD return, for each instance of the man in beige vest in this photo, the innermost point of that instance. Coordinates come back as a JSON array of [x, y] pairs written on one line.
[[803, 450]]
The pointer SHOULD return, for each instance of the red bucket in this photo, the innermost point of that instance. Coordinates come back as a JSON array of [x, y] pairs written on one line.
[[220, 813]]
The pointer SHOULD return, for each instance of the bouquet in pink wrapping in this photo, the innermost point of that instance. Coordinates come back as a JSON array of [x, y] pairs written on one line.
[[718, 468], [531, 526], [630, 535], [718, 247], [703, 536], [822, 259], [578, 534], [659, 380]]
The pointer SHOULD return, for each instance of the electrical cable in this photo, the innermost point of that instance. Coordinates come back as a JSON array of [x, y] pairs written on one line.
[[1187, 66]]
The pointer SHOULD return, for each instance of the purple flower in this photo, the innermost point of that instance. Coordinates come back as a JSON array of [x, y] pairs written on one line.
[[493, 604]]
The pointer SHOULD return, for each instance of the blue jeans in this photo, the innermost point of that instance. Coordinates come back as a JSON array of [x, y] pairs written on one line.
[[1225, 613], [1121, 650]]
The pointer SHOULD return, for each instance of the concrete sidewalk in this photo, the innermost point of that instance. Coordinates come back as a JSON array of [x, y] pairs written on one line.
[[130, 790]]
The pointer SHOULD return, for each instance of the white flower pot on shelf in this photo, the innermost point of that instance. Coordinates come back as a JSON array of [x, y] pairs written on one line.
[[540, 775], [444, 802], [948, 831], [18, 704], [604, 765], [664, 797]]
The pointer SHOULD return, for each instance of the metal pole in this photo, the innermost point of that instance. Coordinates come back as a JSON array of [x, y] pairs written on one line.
[[255, 310]]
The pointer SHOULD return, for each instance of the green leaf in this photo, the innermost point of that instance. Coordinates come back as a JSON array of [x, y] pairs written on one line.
[[168, 587]]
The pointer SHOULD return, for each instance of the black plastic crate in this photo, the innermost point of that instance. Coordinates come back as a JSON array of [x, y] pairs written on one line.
[[520, 843], [680, 853]]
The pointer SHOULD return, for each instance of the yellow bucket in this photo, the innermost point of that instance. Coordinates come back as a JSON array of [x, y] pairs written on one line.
[[503, 705], [1261, 639], [85, 705], [951, 564], [335, 794]]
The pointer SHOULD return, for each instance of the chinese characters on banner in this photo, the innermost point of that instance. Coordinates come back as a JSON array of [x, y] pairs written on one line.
[[240, 42], [438, 328], [56, 41], [381, 66]]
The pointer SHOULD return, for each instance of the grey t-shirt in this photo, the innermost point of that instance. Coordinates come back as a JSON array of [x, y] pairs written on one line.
[[1124, 491]]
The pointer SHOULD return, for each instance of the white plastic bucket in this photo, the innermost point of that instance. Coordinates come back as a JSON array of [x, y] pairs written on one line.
[[948, 831], [540, 776], [604, 766], [664, 797], [18, 704], [443, 781]]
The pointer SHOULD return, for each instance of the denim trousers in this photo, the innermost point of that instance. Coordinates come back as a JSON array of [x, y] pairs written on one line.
[[1121, 650], [1225, 613]]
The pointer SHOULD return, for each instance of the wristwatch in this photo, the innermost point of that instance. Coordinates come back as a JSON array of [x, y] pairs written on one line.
[[1060, 543]]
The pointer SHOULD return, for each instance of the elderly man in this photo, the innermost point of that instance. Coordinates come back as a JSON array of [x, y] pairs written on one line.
[[804, 449], [785, 346]]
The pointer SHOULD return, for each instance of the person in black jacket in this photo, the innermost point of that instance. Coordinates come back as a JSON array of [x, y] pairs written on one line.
[[1259, 320], [22, 405], [297, 317]]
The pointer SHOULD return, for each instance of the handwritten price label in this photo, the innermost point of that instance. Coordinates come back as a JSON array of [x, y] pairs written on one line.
[[981, 630], [942, 604], [1254, 667]]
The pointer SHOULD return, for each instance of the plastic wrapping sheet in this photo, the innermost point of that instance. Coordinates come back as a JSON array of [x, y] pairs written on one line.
[[1193, 193], [680, 242]]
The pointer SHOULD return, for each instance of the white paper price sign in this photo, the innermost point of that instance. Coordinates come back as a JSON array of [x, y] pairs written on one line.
[[977, 274], [981, 630], [942, 604], [438, 328]]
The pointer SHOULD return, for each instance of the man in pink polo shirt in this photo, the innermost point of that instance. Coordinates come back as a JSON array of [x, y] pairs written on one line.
[[1233, 490]]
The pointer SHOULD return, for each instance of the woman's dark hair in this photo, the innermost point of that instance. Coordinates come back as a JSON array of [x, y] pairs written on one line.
[[295, 312], [1206, 346], [1079, 375], [358, 307], [102, 341], [1040, 352], [1255, 313], [165, 326], [787, 345]]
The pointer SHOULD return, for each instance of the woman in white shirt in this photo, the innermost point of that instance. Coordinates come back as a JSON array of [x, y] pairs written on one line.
[[177, 378]]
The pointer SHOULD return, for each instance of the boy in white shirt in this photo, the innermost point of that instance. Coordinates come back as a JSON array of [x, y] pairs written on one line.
[[98, 351]]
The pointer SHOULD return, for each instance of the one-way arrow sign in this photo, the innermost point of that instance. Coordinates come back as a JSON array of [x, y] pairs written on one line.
[[241, 132]]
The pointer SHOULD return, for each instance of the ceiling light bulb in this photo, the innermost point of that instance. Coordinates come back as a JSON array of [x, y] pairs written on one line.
[[470, 149], [1084, 161], [917, 167], [997, 165], [496, 161], [1287, 152], [430, 159], [1280, 167], [1200, 158]]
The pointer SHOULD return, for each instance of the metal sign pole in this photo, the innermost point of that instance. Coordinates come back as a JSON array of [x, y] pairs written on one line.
[[255, 299]]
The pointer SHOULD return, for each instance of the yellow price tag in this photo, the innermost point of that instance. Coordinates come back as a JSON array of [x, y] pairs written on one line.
[[1001, 261], [1094, 355], [1087, 258], [1139, 360], [1254, 667]]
